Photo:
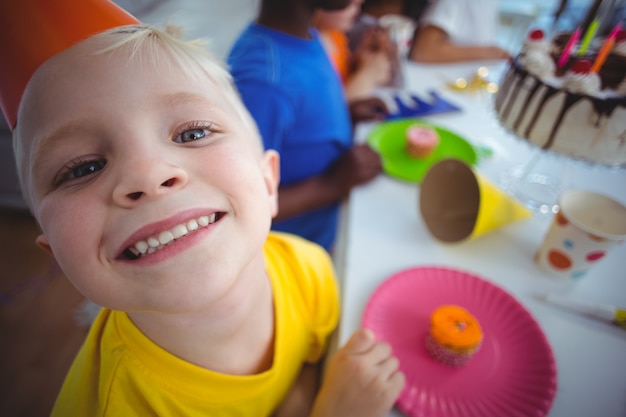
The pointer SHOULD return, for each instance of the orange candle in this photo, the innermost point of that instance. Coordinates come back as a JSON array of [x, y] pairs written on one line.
[[604, 52]]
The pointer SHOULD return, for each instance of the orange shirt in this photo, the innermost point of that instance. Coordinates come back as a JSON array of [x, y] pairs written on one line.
[[338, 51]]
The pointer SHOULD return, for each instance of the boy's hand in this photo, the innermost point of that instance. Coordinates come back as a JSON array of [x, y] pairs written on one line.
[[371, 108], [358, 165], [374, 39], [377, 66], [362, 380]]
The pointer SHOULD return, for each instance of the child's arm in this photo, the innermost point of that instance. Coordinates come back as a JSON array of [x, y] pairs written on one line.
[[356, 166], [367, 109], [373, 70], [372, 64], [432, 44], [362, 380], [300, 399]]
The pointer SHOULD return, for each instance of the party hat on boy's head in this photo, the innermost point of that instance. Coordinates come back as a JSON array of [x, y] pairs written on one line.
[[31, 31]]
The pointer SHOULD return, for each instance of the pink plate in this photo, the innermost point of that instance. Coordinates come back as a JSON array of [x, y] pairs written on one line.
[[513, 373]]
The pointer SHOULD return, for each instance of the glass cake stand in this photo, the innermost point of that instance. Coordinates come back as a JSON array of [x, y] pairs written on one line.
[[539, 181]]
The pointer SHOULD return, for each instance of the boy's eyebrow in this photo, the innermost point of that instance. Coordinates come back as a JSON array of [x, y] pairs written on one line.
[[195, 99], [182, 97], [47, 143]]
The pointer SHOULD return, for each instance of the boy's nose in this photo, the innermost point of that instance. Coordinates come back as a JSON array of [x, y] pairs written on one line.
[[147, 180]]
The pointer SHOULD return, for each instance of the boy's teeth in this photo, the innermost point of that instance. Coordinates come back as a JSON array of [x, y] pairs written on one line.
[[141, 246], [154, 243], [165, 237], [179, 231]]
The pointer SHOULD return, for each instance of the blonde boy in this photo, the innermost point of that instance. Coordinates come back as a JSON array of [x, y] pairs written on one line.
[[152, 190]]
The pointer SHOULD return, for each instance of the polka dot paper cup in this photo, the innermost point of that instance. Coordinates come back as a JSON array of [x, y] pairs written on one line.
[[582, 233]]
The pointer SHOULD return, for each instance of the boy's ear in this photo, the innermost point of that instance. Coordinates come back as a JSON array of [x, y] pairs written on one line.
[[271, 176], [43, 244]]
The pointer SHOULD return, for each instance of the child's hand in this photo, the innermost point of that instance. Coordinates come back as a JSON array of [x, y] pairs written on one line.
[[368, 109], [362, 380], [358, 165], [374, 39], [376, 66]]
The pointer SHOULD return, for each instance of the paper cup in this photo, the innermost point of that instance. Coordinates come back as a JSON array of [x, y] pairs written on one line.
[[587, 226], [457, 203]]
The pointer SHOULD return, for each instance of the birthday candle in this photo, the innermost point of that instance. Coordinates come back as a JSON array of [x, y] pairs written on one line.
[[606, 48], [615, 31], [568, 48], [591, 32], [604, 52]]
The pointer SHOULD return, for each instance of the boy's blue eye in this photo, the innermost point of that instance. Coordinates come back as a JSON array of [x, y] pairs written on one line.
[[192, 135], [86, 168]]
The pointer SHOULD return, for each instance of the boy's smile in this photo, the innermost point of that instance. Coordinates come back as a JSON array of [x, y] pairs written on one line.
[[148, 176], [156, 242]]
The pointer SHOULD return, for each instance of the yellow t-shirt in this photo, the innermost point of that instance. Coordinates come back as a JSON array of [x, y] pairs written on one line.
[[120, 372]]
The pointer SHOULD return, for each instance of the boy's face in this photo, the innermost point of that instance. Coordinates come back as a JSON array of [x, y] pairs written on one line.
[[332, 4], [125, 153], [342, 19]]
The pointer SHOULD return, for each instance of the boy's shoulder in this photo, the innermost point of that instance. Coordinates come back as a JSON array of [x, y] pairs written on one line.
[[294, 248], [293, 260], [304, 283]]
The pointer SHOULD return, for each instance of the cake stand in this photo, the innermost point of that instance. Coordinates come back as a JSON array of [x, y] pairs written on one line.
[[539, 181]]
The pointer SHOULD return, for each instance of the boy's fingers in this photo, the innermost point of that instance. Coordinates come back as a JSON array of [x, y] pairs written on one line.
[[397, 381], [381, 353], [389, 366], [360, 342]]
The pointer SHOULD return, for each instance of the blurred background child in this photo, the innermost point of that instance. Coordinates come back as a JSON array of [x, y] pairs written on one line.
[[370, 65], [457, 30], [297, 99], [444, 30]]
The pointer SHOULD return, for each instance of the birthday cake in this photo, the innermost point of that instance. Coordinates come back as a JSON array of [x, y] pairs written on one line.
[[566, 103]]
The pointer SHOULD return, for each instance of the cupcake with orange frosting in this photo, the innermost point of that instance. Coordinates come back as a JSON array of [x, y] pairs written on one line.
[[455, 335]]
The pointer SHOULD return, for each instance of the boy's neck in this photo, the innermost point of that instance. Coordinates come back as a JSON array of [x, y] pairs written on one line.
[[293, 17], [219, 338]]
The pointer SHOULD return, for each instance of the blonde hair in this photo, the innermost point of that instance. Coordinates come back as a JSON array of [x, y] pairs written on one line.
[[148, 43]]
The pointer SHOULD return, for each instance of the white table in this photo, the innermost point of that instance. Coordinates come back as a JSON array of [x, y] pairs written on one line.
[[383, 233]]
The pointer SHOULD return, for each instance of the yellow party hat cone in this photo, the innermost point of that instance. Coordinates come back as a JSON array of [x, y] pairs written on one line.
[[496, 208], [458, 204]]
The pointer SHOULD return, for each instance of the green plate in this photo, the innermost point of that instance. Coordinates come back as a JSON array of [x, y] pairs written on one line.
[[389, 140]]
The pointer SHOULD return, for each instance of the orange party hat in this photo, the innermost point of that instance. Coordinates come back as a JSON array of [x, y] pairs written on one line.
[[31, 31]]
